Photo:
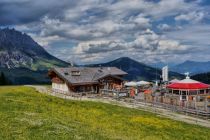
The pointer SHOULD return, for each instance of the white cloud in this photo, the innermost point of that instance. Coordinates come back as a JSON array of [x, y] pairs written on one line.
[[191, 16], [140, 21], [45, 41], [196, 35], [164, 27], [105, 29], [147, 46], [169, 8]]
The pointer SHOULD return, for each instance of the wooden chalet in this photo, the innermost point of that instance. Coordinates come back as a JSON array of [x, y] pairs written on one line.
[[86, 79]]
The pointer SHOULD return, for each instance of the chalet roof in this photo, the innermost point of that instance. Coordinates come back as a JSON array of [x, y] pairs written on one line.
[[87, 74]]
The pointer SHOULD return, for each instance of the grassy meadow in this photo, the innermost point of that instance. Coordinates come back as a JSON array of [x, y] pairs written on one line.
[[26, 114]]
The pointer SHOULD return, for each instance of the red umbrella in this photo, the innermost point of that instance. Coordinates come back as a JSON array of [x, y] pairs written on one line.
[[147, 91]]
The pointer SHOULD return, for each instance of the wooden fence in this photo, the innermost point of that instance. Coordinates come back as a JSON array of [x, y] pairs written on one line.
[[140, 102], [174, 108]]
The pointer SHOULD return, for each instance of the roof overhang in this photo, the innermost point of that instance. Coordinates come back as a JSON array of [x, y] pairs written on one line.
[[188, 89], [110, 75], [188, 86], [83, 83]]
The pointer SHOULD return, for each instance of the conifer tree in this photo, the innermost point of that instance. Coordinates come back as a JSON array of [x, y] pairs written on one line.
[[1, 83], [3, 80]]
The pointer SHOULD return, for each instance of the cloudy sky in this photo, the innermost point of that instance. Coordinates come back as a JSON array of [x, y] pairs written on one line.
[[92, 31]]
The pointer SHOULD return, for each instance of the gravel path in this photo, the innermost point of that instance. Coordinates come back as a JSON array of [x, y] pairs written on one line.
[[139, 105]]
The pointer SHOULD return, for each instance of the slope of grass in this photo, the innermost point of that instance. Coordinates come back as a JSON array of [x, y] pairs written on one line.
[[27, 114], [19, 76], [45, 64]]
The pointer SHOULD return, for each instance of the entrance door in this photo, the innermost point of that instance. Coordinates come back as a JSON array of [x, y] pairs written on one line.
[[184, 96]]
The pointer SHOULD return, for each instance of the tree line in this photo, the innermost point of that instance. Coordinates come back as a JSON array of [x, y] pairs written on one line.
[[203, 77], [4, 80]]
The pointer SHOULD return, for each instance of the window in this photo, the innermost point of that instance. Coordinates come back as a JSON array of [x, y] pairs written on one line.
[[75, 73], [66, 73], [184, 97]]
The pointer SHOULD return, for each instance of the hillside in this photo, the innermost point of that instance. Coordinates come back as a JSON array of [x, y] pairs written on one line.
[[23, 61], [137, 70], [18, 50], [27, 114], [192, 67], [21, 76], [203, 77]]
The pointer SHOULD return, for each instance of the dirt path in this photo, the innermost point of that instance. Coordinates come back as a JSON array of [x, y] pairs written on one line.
[[139, 105]]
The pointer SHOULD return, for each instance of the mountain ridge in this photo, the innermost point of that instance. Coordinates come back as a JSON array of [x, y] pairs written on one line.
[[136, 70], [203, 77], [24, 61], [18, 49], [193, 67]]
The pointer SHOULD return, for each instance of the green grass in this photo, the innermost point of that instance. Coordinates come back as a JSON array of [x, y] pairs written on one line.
[[46, 64], [27, 114]]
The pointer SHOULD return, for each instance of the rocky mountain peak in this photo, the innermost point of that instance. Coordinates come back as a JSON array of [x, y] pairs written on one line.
[[11, 35], [18, 49]]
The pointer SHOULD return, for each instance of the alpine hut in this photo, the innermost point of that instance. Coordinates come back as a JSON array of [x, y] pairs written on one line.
[[85, 79]]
